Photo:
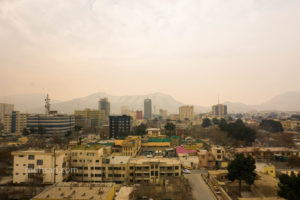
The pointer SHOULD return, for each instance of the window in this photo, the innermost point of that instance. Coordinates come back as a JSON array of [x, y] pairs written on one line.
[[21, 156], [97, 161], [30, 157], [30, 166], [17, 164], [39, 162], [97, 175], [97, 168], [74, 160]]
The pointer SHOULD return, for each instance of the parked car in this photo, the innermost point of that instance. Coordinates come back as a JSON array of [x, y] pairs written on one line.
[[186, 171]]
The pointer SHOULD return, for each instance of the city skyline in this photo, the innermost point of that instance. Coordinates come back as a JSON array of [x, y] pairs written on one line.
[[192, 50]]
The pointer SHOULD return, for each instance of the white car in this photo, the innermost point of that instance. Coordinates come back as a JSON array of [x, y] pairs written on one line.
[[186, 171]]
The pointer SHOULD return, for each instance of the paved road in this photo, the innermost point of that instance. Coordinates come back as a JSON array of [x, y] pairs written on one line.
[[200, 189]]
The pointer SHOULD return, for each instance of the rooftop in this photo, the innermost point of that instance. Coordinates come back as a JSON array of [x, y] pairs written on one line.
[[143, 160], [124, 193], [75, 190], [87, 147], [118, 159]]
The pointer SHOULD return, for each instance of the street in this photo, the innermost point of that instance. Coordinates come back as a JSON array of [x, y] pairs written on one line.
[[200, 190]]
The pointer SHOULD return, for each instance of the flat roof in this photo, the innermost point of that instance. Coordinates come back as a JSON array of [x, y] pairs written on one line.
[[87, 147], [143, 160], [118, 159], [75, 190], [124, 193]]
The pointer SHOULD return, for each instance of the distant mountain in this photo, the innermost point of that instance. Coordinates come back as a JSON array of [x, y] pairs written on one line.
[[34, 103], [289, 101]]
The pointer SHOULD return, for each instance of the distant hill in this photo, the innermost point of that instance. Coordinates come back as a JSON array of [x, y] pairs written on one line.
[[34, 103], [289, 101]]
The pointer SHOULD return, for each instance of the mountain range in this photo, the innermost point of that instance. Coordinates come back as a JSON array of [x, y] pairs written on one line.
[[34, 103]]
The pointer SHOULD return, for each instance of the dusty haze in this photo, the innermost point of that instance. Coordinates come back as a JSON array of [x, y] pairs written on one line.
[[246, 51]]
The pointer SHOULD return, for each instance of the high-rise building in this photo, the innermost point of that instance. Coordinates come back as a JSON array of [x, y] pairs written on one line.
[[5, 109], [219, 110], [104, 104], [186, 113], [119, 126], [14, 122], [147, 109], [139, 115]]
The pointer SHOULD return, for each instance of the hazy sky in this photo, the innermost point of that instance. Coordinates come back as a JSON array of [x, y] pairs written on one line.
[[245, 50]]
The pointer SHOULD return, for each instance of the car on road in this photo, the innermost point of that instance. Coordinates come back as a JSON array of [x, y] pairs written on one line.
[[186, 171]]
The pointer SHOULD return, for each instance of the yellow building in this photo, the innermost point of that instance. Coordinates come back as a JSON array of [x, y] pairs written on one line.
[[153, 170], [44, 166], [78, 191], [15, 122], [290, 125], [89, 118], [186, 113], [131, 145]]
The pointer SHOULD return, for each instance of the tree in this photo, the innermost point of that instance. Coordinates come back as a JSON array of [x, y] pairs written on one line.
[[170, 128], [215, 121], [294, 161], [271, 126], [140, 129], [239, 131], [289, 186], [25, 132], [283, 139], [206, 122], [41, 130], [242, 169], [32, 130]]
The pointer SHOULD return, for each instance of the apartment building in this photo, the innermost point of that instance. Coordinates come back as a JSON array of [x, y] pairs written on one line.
[[5, 109], [90, 163], [131, 145], [219, 110], [119, 126], [266, 153], [218, 152], [153, 170], [290, 125], [186, 113], [15, 122], [41, 166], [206, 159], [88, 118]]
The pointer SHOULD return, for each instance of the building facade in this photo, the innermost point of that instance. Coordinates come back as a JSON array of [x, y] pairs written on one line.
[[41, 166], [15, 122], [163, 114], [219, 110], [5, 109], [139, 115], [119, 126], [186, 113], [147, 109], [51, 123], [104, 104], [88, 118]]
